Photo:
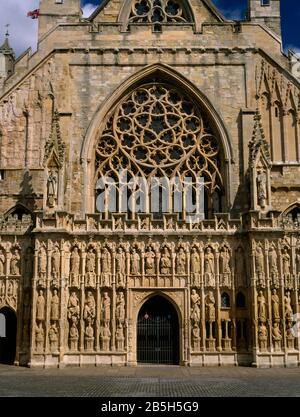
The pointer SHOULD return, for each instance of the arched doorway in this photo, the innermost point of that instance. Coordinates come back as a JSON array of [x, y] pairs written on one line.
[[8, 343], [158, 333]]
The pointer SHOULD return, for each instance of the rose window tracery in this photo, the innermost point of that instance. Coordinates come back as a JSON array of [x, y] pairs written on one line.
[[158, 11], [158, 131]]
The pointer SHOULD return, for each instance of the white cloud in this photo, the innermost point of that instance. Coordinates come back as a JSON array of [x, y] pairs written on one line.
[[88, 9], [23, 29]]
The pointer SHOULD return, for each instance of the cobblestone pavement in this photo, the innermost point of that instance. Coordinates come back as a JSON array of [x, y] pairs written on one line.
[[149, 381]]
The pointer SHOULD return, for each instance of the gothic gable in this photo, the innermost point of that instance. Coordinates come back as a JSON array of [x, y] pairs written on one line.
[[179, 11]]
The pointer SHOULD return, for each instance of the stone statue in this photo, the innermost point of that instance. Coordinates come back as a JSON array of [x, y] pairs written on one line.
[[209, 268], [105, 267], [259, 266], [277, 337], [150, 262], [165, 262], [2, 263], [195, 301], [73, 335], [120, 267], [135, 260], [273, 267], [55, 262], [15, 263], [40, 306], [73, 306], [261, 187], [275, 305], [210, 306], [39, 338], [90, 261], [240, 272], [195, 267], [52, 183], [54, 310], [287, 306], [120, 337], [105, 335], [53, 337], [105, 308], [89, 336], [120, 308], [181, 262], [225, 267], [42, 263], [286, 263], [196, 337], [89, 310], [75, 267], [261, 302], [263, 337]]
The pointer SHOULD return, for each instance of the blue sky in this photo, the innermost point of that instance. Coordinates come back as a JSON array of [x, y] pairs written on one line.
[[23, 30]]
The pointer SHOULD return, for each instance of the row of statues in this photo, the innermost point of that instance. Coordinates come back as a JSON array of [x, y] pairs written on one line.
[[14, 264]]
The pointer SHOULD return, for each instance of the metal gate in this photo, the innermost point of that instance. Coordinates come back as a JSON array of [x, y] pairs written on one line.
[[157, 333]]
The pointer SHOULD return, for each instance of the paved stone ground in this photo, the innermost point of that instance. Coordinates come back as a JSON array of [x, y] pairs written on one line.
[[149, 381]]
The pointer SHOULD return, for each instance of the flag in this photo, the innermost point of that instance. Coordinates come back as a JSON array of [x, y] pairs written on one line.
[[34, 14]]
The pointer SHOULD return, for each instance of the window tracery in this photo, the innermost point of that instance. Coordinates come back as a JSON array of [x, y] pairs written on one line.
[[158, 11], [158, 132]]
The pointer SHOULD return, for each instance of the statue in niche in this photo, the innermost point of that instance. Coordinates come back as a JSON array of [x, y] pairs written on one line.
[[42, 263], [89, 310], [39, 338], [105, 308], [90, 267], [28, 263], [89, 335], [150, 262], [181, 262], [53, 337], [54, 310], [120, 308], [273, 267], [15, 263], [196, 337], [120, 267], [263, 337], [261, 303], [2, 263], [261, 187], [275, 305], [75, 267], [52, 182], [286, 263], [210, 306], [135, 260], [73, 306], [73, 334], [276, 335], [40, 306], [290, 335], [55, 262], [2, 291], [195, 267], [105, 336], [259, 267], [105, 267], [288, 307], [225, 267], [120, 337], [195, 301], [165, 262], [240, 271], [209, 268]]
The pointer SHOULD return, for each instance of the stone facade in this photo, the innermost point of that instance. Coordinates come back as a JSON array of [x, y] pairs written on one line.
[[162, 89]]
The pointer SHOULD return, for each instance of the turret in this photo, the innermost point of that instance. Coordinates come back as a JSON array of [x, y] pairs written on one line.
[[53, 12], [7, 59], [266, 12]]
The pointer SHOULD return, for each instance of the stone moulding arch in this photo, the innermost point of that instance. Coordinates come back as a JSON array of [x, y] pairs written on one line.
[[293, 206], [165, 73]]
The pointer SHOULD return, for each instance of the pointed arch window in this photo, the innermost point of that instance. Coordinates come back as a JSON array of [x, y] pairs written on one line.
[[158, 132]]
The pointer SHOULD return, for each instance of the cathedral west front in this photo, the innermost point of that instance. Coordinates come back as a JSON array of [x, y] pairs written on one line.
[[149, 188]]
